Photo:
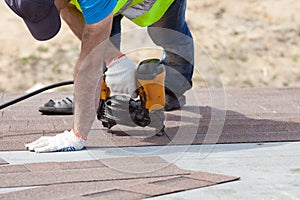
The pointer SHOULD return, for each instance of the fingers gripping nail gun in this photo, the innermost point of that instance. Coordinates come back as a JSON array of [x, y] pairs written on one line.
[[145, 110]]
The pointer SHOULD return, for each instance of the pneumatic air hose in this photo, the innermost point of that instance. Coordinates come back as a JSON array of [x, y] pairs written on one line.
[[26, 96]]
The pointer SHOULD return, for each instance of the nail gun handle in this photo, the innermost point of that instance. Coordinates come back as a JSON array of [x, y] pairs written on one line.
[[105, 91], [150, 78]]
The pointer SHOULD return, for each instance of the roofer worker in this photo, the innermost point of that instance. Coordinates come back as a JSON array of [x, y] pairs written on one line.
[[93, 22]]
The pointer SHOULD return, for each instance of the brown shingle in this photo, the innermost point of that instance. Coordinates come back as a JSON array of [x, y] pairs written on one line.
[[59, 183], [252, 115]]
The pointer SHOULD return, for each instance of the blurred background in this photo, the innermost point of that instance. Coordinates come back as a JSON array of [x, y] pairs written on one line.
[[253, 44]]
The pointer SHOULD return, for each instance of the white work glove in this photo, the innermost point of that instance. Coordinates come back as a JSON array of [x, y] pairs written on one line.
[[121, 76], [66, 141]]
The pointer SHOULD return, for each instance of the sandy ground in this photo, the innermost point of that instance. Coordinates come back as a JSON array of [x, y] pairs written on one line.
[[253, 44]]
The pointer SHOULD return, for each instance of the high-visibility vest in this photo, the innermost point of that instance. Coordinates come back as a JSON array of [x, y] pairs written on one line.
[[141, 12]]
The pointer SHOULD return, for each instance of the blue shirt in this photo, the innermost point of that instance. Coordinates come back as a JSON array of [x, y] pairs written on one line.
[[95, 10]]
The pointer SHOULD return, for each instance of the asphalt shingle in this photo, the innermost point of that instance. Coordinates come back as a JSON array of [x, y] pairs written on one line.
[[247, 115], [141, 177]]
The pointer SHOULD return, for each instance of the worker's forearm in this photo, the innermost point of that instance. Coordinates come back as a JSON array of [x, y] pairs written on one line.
[[88, 73]]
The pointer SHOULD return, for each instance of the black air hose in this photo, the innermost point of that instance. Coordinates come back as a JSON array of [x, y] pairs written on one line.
[[21, 98]]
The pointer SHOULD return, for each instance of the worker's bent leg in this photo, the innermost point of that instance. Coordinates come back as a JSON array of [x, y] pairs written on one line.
[[172, 33]]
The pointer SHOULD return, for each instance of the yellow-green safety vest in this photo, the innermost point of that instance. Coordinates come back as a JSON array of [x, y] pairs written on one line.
[[141, 12]]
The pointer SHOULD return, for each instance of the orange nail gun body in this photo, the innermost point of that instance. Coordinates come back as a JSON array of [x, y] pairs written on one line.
[[146, 110]]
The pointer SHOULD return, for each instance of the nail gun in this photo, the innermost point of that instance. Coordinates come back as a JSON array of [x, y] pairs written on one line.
[[145, 110]]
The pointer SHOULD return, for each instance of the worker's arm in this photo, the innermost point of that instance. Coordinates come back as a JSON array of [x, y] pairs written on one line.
[[88, 73], [87, 76]]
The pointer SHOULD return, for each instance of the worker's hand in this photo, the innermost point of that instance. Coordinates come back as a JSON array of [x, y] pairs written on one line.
[[66, 141], [121, 76]]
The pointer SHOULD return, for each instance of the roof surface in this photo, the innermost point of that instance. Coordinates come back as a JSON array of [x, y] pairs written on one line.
[[215, 116]]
